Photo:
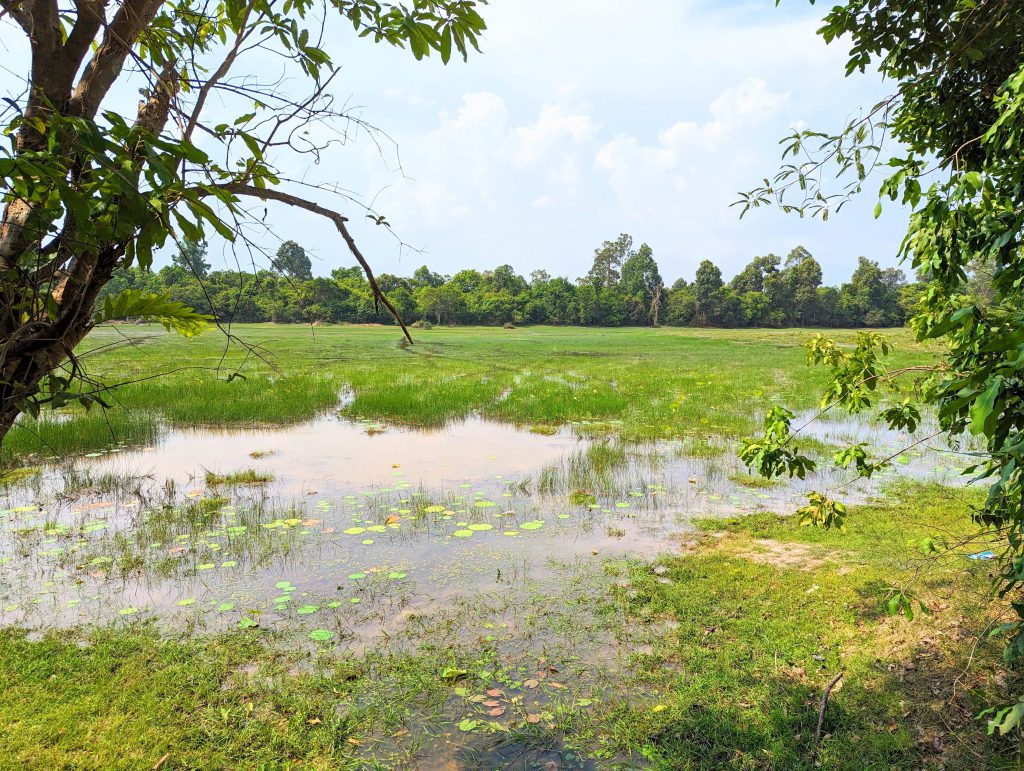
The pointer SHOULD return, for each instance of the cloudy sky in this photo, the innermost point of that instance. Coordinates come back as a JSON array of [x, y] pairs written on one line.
[[586, 118]]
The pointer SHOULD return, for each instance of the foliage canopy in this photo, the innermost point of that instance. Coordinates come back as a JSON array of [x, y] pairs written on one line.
[[955, 131]]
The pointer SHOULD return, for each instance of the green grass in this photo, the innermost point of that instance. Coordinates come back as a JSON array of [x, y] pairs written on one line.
[[244, 477], [756, 638], [712, 657], [727, 648], [651, 383]]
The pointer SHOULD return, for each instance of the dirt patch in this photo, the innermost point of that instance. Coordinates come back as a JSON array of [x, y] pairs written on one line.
[[786, 555]]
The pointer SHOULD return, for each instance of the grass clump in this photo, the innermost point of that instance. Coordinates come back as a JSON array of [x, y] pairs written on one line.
[[235, 478]]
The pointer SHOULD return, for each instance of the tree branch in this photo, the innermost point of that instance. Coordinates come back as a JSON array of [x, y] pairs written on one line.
[[339, 220], [222, 70], [103, 69]]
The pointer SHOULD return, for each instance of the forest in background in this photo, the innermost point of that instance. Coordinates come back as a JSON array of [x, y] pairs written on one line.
[[624, 287]]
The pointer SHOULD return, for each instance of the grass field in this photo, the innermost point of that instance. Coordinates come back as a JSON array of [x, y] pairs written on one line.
[[709, 650], [656, 383]]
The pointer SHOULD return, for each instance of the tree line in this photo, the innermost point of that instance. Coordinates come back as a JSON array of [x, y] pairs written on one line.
[[622, 288]]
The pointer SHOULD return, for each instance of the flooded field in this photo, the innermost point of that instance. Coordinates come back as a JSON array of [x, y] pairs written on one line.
[[343, 529]]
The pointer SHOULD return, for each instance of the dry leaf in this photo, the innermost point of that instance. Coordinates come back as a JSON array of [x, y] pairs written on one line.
[[533, 719], [492, 703], [354, 742], [314, 721], [495, 693], [530, 683], [497, 712]]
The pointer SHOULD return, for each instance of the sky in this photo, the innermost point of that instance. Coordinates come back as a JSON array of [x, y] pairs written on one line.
[[583, 119]]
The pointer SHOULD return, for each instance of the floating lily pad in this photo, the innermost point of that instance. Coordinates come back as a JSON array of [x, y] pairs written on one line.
[[229, 564], [535, 524], [206, 566], [396, 575], [481, 526], [356, 576], [321, 635], [186, 602], [306, 610], [355, 531], [129, 611], [224, 607], [463, 533]]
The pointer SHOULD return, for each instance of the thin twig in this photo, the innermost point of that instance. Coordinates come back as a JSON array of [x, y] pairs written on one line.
[[824, 704]]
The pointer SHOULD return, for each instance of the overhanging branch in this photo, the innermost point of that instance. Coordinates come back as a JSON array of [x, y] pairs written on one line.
[[339, 220]]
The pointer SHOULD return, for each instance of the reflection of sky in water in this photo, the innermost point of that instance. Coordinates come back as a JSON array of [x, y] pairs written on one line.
[[365, 524]]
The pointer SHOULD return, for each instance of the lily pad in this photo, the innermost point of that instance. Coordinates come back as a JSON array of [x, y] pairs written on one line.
[[463, 533], [321, 635]]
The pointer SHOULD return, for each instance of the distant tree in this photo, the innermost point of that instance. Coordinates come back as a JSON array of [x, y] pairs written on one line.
[[292, 260], [707, 293], [191, 257], [803, 274], [642, 286], [608, 260], [752, 277], [424, 276]]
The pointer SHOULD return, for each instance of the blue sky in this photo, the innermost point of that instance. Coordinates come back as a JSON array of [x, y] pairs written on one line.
[[583, 119]]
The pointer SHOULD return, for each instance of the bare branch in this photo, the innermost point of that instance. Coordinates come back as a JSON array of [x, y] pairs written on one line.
[[339, 220]]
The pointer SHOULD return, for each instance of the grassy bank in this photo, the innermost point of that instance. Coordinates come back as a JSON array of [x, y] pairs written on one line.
[[721, 650], [655, 383]]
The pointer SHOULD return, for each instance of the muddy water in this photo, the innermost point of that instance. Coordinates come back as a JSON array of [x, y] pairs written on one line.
[[359, 526]]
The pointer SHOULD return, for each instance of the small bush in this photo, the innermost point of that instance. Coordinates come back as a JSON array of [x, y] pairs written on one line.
[[422, 324], [509, 325]]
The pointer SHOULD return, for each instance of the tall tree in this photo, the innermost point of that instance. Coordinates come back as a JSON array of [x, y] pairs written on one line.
[[707, 293], [88, 189], [191, 257], [608, 260], [292, 260], [642, 287]]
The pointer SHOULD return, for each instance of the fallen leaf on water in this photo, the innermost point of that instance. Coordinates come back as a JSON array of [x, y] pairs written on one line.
[[392, 519], [354, 742], [534, 719], [495, 692], [553, 684], [530, 683], [492, 703], [310, 522], [497, 712], [314, 721]]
